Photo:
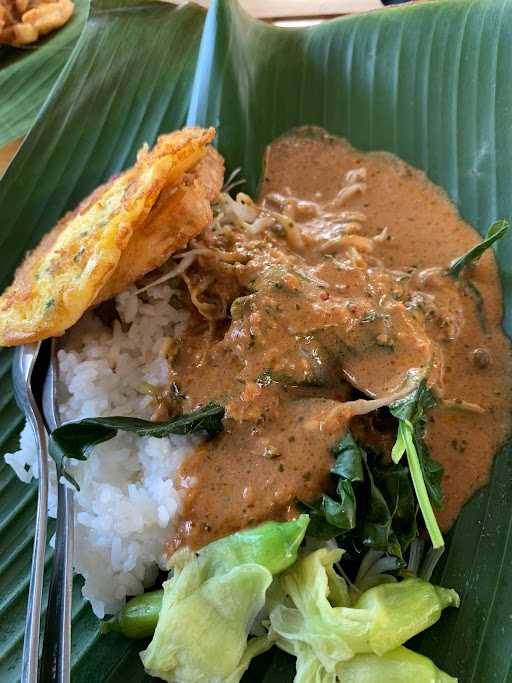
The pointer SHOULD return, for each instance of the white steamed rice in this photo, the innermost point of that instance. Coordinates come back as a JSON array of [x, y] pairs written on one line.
[[127, 502]]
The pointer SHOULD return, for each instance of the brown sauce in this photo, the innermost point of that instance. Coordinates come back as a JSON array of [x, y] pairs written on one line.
[[340, 302]]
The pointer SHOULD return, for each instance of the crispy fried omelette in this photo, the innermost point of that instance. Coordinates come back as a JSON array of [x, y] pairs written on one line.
[[179, 213], [125, 228]]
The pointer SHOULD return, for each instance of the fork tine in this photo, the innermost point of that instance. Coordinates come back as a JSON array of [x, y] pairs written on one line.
[[23, 366]]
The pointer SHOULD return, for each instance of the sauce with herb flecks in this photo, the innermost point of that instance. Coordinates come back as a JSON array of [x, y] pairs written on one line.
[[333, 293]]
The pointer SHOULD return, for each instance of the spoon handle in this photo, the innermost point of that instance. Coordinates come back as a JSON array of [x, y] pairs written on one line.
[[55, 659], [24, 362]]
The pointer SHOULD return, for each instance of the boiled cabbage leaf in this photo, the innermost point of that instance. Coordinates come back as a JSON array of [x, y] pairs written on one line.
[[201, 635], [211, 602], [398, 666], [315, 620]]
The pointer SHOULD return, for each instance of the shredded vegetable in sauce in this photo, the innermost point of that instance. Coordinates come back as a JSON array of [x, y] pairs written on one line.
[[323, 303]]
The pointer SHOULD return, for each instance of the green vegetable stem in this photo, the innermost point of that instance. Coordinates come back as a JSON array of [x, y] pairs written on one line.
[[138, 618], [426, 473]]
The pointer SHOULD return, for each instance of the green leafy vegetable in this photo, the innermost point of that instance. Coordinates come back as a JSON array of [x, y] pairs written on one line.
[[272, 545], [315, 620], [76, 439], [331, 517], [377, 522], [395, 484], [211, 601], [341, 513], [426, 473], [319, 528], [413, 406], [398, 611], [202, 629], [374, 506], [497, 230], [349, 459], [205, 611], [410, 411], [399, 666]]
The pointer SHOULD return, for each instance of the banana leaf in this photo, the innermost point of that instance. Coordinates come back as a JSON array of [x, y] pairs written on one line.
[[429, 82], [28, 74], [129, 78]]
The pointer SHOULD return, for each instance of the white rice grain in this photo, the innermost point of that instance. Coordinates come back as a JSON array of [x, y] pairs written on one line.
[[127, 501]]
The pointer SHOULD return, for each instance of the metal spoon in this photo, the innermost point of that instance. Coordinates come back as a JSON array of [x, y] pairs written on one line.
[[24, 363], [55, 658]]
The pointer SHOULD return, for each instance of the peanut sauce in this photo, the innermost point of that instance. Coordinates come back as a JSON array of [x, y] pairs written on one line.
[[339, 300]]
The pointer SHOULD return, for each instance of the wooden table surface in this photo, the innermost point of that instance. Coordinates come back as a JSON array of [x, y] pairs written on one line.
[[283, 12]]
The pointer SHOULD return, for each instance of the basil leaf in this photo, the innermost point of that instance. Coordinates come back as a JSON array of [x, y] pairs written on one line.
[[495, 232], [76, 439]]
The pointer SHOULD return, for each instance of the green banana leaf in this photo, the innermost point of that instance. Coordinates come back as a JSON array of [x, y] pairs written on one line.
[[28, 74], [129, 78], [429, 82]]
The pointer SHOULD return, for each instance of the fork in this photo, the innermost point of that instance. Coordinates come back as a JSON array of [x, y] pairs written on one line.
[[24, 364]]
